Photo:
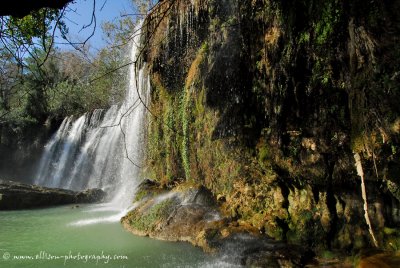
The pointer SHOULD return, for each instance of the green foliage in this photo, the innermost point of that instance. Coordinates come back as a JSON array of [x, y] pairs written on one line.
[[143, 7], [165, 136], [186, 118], [117, 32], [171, 137], [169, 121], [264, 155], [321, 72], [61, 86], [140, 195], [324, 27], [30, 36], [66, 98], [39, 81], [35, 25], [188, 103], [304, 38]]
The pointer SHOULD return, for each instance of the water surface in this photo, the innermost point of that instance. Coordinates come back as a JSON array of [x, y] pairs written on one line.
[[91, 234]]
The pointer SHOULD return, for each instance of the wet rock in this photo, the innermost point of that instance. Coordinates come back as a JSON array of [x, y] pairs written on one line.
[[275, 254], [148, 184], [90, 196], [16, 195], [191, 215], [249, 250], [180, 215], [378, 258]]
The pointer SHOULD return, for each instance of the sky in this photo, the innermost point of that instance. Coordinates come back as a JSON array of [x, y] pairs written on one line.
[[79, 14]]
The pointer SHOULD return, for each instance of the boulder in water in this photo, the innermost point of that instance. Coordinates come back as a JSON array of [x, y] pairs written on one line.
[[90, 196], [190, 213], [16, 195], [183, 214]]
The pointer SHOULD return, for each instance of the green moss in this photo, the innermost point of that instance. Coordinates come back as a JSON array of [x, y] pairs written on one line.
[[306, 216], [163, 158], [186, 119], [264, 155], [299, 78], [327, 254], [199, 103], [140, 195], [193, 74], [168, 138], [324, 27], [359, 242], [148, 220], [276, 232], [389, 231], [304, 38], [321, 72]]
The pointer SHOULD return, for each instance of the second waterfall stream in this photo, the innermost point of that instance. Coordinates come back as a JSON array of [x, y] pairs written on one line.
[[101, 149]]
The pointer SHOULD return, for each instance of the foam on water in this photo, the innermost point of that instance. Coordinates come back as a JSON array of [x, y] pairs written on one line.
[[108, 219]]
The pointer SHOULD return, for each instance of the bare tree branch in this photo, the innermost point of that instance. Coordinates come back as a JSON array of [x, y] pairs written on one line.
[[105, 1], [52, 38], [92, 21]]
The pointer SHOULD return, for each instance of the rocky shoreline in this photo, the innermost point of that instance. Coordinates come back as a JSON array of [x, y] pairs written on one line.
[[190, 213], [16, 195]]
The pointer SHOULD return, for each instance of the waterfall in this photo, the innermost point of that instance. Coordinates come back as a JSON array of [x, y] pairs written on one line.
[[102, 149]]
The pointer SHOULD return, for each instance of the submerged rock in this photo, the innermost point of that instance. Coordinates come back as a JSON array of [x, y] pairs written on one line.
[[16, 195]]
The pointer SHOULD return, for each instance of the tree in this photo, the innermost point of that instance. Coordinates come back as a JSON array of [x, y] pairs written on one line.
[[21, 37], [39, 80], [22, 8], [9, 80]]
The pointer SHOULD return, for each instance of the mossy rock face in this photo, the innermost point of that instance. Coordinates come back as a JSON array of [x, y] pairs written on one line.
[[300, 215], [304, 218], [264, 103], [394, 188], [147, 189]]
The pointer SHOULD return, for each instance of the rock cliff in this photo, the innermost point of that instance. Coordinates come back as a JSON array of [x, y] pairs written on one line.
[[266, 103]]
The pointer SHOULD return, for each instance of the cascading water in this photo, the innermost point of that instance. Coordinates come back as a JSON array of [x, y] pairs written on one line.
[[101, 149]]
